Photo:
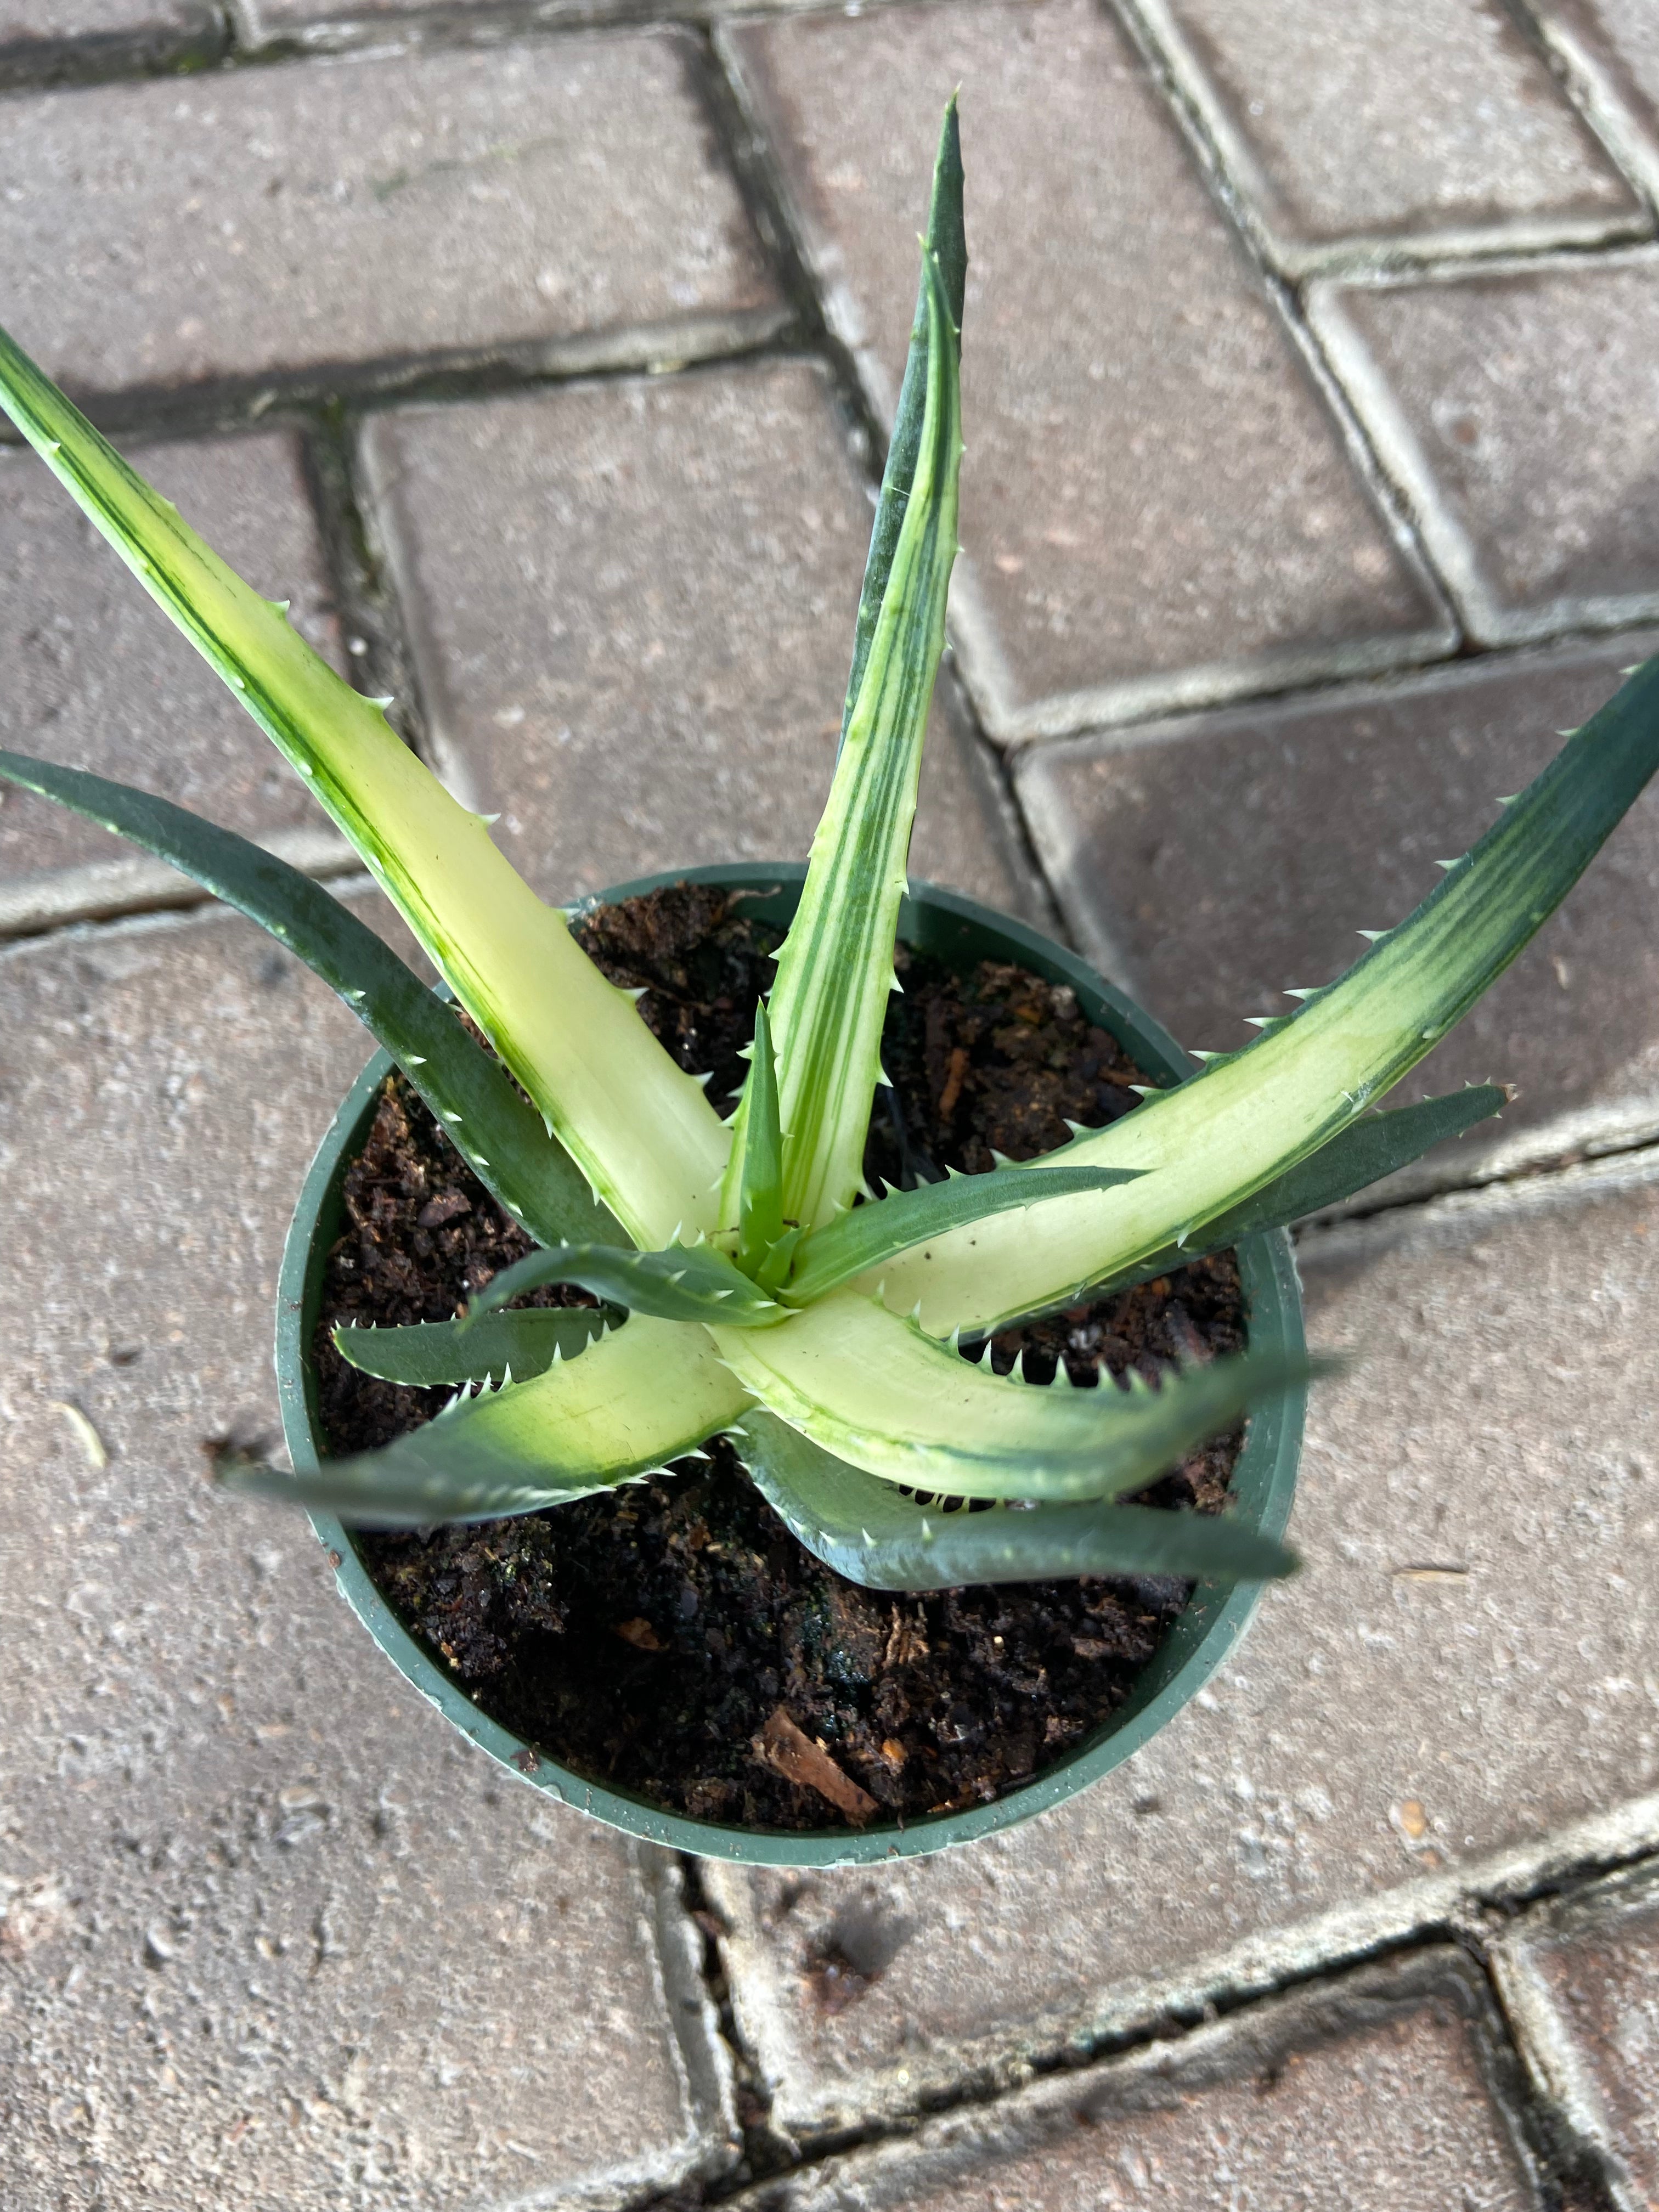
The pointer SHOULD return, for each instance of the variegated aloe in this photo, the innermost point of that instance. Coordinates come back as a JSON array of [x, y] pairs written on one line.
[[764, 1300]]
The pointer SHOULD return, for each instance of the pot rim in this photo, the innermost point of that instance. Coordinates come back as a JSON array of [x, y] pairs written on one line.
[[1192, 1647]]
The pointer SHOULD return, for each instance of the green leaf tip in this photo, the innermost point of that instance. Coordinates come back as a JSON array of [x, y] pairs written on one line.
[[501, 1347], [684, 1283], [760, 1221]]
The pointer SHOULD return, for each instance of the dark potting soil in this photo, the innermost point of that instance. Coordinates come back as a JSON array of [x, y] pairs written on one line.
[[670, 1637]]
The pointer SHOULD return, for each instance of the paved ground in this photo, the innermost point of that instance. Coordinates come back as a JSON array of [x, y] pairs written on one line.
[[542, 357]]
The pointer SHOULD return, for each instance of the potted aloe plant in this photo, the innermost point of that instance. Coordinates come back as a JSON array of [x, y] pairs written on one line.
[[755, 1287]]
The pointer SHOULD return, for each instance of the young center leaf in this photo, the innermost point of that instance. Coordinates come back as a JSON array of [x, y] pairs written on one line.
[[836, 967]]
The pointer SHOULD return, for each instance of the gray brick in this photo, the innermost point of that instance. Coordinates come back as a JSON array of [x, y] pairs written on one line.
[[1370, 2095], [1580, 1976], [159, 26], [1156, 507], [1434, 126], [632, 610], [1610, 49], [1221, 860], [1449, 1697], [273, 1934], [1516, 408], [97, 677], [298, 221]]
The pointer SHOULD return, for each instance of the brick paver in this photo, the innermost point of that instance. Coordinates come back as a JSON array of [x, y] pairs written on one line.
[[272, 1935], [149, 26], [292, 219], [97, 678], [632, 604], [1517, 410], [1458, 1673], [1124, 544], [1377, 125], [1581, 1979], [1373, 2097], [1219, 861]]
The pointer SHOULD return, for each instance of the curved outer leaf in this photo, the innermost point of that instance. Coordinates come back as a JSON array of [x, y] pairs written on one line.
[[501, 1138], [1367, 1150], [1207, 1145], [870, 1235], [873, 1533], [912, 1411], [834, 969], [634, 1400], [639, 1127], [686, 1282], [505, 1347]]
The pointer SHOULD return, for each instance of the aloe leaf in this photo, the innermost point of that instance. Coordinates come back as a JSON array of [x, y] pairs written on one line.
[[760, 1214], [946, 237], [874, 1535], [862, 1240], [501, 1137], [634, 1400], [1211, 1143], [900, 1406], [686, 1282], [640, 1128], [1375, 1145], [504, 1347], [835, 968]]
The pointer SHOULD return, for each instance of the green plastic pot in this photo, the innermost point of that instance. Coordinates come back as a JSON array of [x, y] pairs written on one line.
[[961, 932]]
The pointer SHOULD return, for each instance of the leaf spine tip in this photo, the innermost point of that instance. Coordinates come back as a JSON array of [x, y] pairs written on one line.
[[387, 700], [415, 1059], [1375, 935], [1445, 863], [1566, 734], [1198, 1055], [1509, 799]]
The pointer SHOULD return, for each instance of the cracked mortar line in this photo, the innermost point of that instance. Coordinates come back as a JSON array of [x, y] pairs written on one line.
[[416, 27], [1151, 2007], [980, 2121]]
